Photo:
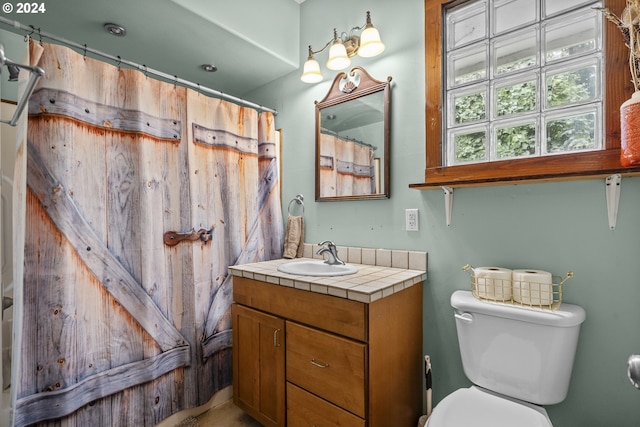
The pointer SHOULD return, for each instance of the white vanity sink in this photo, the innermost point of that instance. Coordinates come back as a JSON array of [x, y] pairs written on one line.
[[316, 268]]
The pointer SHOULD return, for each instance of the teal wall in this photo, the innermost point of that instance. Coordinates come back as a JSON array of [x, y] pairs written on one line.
[[551, 226], [555, 227]]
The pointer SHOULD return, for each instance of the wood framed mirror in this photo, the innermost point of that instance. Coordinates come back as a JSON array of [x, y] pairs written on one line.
[[353, 132]]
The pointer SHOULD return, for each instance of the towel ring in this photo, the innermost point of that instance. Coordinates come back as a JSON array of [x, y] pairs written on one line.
[[299, 199]]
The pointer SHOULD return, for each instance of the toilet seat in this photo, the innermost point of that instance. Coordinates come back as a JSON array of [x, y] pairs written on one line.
[[477, 407]]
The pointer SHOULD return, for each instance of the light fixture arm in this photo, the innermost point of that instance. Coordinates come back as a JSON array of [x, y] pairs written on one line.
[[329, 43], [345, 38], [362, 27], [351, 41]]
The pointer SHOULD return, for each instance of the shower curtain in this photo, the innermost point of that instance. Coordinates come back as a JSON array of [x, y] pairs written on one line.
[[121, 326], [346, 167]]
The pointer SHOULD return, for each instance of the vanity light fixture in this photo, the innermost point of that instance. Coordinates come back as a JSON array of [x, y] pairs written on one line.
[[342, 48]]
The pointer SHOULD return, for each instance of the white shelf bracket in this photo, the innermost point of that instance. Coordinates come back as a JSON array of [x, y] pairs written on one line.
[[448, 203], [613, 198]]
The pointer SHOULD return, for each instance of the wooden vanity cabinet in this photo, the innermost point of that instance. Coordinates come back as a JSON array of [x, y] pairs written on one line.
[[332, 361]]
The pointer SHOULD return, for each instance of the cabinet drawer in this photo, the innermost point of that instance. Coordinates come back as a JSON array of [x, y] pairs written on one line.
[[327, 365], [338, 315], [305, 409]]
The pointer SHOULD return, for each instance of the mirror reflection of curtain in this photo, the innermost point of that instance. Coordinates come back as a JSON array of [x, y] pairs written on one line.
[[125, 329], [363, 170], [346, 167]]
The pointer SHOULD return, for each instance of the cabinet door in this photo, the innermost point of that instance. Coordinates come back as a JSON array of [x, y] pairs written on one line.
[[258, 365]]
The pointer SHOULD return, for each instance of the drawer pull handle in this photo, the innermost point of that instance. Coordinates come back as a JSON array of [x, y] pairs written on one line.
[[319, 365], [275, 338]]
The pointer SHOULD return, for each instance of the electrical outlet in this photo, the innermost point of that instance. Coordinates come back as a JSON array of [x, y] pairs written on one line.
[[411, 220]]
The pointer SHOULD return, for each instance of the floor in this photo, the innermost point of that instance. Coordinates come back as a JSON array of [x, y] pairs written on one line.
[[226, 415]]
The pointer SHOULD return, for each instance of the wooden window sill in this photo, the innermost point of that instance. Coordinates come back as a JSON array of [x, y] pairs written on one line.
[[565, 167]]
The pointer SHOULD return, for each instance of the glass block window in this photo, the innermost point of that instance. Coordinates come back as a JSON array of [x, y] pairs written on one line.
[[523, 79]]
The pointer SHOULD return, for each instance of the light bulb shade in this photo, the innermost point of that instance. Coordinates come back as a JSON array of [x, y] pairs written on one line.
[[338, 59], [370, 43], [311, 71]]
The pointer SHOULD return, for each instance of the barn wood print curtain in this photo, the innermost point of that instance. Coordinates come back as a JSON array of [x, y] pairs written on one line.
[[346, 167], [119, 328]]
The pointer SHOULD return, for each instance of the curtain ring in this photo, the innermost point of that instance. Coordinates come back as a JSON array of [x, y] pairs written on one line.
[[145, 71], [27, 36], [175, 81], [119, 62], [84, 54], [40, 36]]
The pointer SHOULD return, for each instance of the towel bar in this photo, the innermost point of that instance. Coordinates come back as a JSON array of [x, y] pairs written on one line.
[[299, 199]]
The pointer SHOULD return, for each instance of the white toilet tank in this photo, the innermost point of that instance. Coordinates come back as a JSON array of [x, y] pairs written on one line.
[[521, 352]]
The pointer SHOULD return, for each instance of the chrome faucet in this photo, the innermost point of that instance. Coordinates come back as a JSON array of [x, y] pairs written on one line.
[[331, 251]]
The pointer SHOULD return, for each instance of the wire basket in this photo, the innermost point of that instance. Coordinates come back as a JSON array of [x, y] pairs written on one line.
[[518, 292]]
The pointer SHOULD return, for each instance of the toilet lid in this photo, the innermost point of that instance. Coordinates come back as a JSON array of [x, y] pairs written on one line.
[[479, 408]]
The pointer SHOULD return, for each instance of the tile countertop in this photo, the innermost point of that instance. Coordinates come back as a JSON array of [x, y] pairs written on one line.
[[369, 284]]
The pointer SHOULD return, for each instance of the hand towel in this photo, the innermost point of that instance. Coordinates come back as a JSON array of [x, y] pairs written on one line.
[[294, 237]]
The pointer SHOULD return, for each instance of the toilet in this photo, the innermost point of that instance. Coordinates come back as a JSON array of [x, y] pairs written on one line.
[[518, 359]]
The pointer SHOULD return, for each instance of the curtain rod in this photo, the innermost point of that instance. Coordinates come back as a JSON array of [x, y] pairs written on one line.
[[175, 79], [347, 138]]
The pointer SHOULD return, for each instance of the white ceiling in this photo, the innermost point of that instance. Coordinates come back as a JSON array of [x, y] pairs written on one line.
[[251, 42]]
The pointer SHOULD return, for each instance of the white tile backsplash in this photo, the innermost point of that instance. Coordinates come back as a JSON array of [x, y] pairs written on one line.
[[368, 256], [417, 260], [383, 257], [400, 259], [354, 255], [412, 260]]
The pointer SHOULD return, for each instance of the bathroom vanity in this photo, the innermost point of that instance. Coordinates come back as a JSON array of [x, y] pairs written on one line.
[[324, 351]]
